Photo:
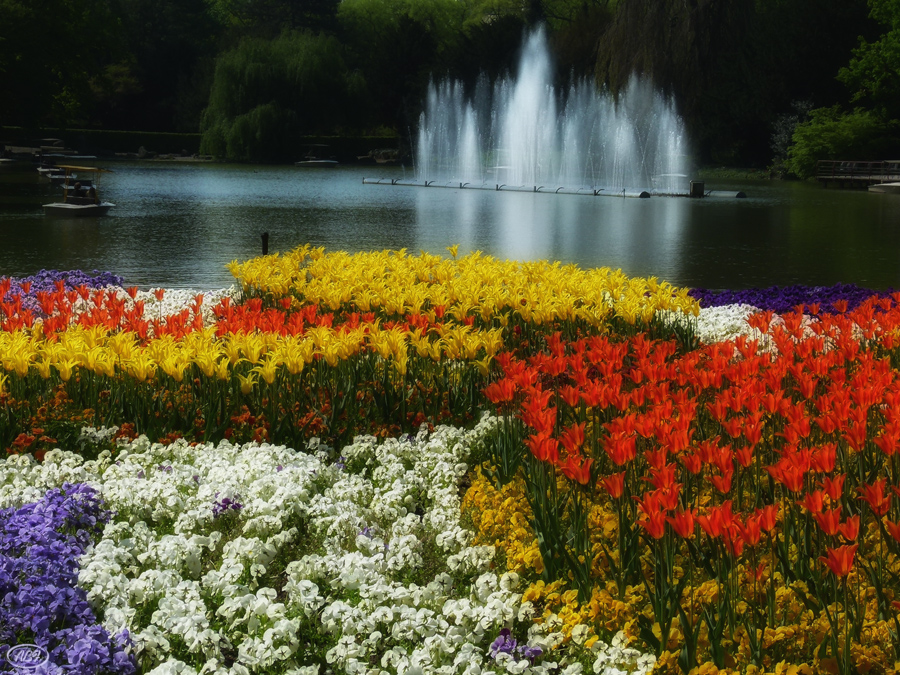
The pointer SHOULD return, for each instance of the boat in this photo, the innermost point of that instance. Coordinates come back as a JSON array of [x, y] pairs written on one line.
[[80, 197], [313, 158], [888, 188]]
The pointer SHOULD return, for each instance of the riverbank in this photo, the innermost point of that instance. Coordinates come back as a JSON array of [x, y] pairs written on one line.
[[106, 144]]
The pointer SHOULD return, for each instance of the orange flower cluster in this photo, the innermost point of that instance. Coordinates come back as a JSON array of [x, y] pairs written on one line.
[[95, 307], [732, 448]]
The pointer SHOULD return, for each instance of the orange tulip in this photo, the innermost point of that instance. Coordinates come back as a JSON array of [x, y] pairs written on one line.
[[575, 470], [682, 523], [840, 559], [829, 521], [850, 528], [614, 484], [875, 497]]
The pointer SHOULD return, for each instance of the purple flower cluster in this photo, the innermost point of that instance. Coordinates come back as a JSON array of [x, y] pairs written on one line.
[[226, 504], [40, 602], [507, 644], [781, 299]]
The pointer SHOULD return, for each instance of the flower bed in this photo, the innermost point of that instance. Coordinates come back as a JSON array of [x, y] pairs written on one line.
[[644, 483]]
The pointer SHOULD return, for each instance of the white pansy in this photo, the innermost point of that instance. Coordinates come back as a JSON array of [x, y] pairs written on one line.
[[360, 562]]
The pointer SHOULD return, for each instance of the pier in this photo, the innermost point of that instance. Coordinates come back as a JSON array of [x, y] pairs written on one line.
[[854, 174]]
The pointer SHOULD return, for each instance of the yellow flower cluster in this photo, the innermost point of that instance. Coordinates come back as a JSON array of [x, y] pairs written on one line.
[[474, 285], [107, 354], [500, 519]]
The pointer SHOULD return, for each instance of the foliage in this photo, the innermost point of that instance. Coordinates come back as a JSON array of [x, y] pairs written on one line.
[[831, 133], [266, 94], [397, 46], [269, 18], [733, 66], [873, 74], [51, 51]]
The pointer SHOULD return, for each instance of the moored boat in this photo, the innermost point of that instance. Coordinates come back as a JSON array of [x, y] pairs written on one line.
[[313, 158], [887, 188], [80, 197]]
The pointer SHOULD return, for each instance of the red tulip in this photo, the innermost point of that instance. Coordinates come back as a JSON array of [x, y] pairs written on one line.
[[840, 559], [543, 447], [683, 523], [614, 484], [850, 528], [829, 521], [621, 448], [813, 501], [575, 470], [893, 529], [875, 497], [833, 486]]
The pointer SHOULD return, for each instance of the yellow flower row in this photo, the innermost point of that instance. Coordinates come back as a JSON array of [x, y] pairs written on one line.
[[105, 354], [474, 285]]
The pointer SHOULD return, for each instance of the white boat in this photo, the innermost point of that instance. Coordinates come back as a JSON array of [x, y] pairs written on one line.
[[80, 197], [888, 188], [313, 158]]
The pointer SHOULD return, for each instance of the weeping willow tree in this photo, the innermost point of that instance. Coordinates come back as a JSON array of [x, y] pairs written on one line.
[[266, 94]]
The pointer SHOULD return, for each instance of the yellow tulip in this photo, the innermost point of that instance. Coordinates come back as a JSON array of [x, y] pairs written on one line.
[[253, 347], [43, 368], [223, 369], [484, 365], [268, 369], [140, 366], [247, 382], [174, 367], [65, 367]]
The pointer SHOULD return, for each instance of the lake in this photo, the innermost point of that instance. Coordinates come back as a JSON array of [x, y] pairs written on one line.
[[178, 224]]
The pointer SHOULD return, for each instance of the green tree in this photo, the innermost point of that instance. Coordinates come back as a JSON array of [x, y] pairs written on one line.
[[871, 131], [162, 84], [832, 133], [734, 66], [52, 52], [873, 74], [269, 18], [266, 94], [398, 45]]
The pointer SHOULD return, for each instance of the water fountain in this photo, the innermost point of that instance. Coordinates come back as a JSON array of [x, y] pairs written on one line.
[[522, 134]]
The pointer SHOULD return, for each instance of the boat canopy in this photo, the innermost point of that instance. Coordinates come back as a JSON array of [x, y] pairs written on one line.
[[69, 167]]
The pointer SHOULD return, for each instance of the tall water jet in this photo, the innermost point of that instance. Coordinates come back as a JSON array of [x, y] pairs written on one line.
[[522, 133]]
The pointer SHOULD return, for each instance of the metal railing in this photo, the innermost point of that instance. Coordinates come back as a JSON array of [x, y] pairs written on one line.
[[859, 171]]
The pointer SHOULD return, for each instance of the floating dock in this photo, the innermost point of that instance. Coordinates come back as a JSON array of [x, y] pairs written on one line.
[[561, 190]]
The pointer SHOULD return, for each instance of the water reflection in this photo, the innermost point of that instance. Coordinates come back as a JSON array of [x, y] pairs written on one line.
[[180, 225]]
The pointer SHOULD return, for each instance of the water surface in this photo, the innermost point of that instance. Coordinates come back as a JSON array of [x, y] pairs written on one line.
[[178, 225]]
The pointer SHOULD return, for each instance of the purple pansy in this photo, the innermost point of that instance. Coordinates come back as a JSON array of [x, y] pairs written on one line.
[[40, 602], [222, 506], [782, 299], [507, 644]]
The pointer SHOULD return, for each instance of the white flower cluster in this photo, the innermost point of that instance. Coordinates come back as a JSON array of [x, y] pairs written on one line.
[[176, 299], [229, 559], [718, 324]]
